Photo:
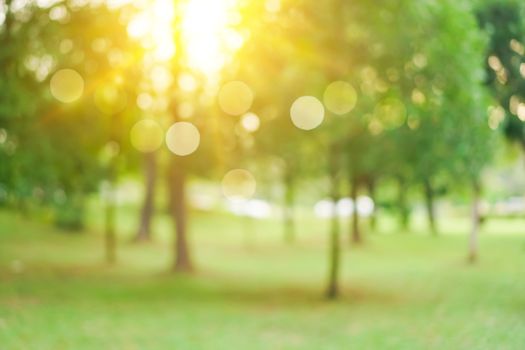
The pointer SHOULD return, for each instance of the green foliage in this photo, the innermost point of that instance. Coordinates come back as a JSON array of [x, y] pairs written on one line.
[[504, 23], [420, 112], [49, 149]]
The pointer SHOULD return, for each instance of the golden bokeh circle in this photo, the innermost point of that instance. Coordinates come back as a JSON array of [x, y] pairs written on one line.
[[307, 112], [66, 85], [391, 112], [146, 135], [183, 138], [110, 99], [250, 122], [235, 98], [340, 97], [238, 184]]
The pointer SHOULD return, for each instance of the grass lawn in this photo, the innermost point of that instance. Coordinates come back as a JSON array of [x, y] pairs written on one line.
[[399, 291]]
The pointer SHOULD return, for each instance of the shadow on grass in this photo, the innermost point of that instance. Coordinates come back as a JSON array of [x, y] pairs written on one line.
[[108, 285]]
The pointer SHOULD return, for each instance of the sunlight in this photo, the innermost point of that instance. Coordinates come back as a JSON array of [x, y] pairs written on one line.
[[152, 26], [207, 37], [208, 40]]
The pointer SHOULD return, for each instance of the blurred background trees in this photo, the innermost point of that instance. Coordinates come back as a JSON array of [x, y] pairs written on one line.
[[384, 98]]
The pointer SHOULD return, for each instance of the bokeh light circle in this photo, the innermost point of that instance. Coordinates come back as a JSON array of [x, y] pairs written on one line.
[[391, 112], [146, 135], [307, 112], [110, 99], [340, 97], [250, 122], [238, 184], [66, 85], [235, 98], [183, 138]]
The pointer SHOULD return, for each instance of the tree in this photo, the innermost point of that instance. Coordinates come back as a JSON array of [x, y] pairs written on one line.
[[503, 22], [148, 205], [51, 152]]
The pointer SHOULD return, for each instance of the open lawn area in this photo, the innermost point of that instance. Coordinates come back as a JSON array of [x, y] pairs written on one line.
[[399, 291]]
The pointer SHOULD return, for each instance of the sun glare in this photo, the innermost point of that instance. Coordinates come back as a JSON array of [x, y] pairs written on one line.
[[153, 27], [206, 27], [207, 35]]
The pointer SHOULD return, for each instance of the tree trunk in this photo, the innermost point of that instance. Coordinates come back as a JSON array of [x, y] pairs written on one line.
[[289, 198], [115, 136], [21, 205], [110, 241], [8, 19], [404, 211], [111, 204], [355, 229], [335, 252], [148, 206], [177, 181], [475, 216], [332, 291], [429, 203], [249, 232], [371, 186]]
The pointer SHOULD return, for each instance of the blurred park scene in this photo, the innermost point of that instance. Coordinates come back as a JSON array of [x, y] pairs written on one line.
[[262, 174]]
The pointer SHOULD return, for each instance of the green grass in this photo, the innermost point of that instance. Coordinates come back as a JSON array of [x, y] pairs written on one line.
[[399, 291]]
